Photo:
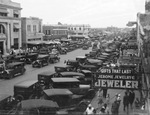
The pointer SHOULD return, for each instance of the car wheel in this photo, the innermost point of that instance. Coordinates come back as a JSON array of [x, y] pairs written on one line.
[[82, 107], [19, 97]]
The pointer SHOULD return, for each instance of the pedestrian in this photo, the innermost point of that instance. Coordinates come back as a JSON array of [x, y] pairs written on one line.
[[115, 108], [104, 110], [108, 99], [126, 102], [99, 92], [90, 110], [104, 92], [131, 98], [100, 101]]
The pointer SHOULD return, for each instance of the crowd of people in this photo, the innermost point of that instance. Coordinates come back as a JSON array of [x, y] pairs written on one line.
[[107, 107]]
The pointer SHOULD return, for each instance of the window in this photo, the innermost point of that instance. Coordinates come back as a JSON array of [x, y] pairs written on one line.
[[16, 29], [3, 14], [2, 29], [34, 28], [16, 43], [29, 28], [74, 28], [49, 32], [80, 28]]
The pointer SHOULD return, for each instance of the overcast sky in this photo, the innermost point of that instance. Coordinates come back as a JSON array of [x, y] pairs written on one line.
[[97, 13]]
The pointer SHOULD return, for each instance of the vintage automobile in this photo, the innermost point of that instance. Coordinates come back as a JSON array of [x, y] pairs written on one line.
[[7, 104], [64, 68], [45, 77], [85, 47], [74, 85], [90, 67], [11, 70], [95, 62], [27, 90], [53, 58], [31, 57], [62, 50], [42, 60], [81, 59], [36, 107], [20, 58], [66, 100], [73, 63]]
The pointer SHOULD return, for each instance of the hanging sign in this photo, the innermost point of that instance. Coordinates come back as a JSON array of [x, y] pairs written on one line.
[[116, 78]]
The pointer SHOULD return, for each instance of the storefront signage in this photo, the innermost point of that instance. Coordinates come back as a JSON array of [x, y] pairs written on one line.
[[116, 78]]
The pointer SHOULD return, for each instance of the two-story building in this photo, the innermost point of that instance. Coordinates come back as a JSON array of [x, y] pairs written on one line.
[[52, 32], [76, 32], [31, 30], [10, 25]]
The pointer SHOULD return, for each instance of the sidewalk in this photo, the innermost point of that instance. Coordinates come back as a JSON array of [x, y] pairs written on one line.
[[112, 93]]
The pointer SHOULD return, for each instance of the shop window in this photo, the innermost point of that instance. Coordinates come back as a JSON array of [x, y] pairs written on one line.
[[16, 43], [16, 30], [29, 28], [34, 28], [2, 29]]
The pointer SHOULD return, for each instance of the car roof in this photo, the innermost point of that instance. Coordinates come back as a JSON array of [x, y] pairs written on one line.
[[64, 79], [47, 73], [26, 83], [35, 103], [81, 57], [86, 71], [4, 96], [42, 56], [94, 61], [88, 66], [62, 66], [51, 92], [15, 63], [71, 73]]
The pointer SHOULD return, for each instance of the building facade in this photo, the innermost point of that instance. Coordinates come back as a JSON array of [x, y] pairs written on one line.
[[10, 25], [76, 32], [31, 30], [52, 32]]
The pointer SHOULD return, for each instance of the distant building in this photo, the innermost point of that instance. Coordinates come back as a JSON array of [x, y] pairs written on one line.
[[52, 32], [76, 32], [31, 30], [147, 6], [10, 25]]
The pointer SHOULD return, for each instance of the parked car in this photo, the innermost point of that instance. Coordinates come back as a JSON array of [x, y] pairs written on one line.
[[45, 77], [74, 85], [42, 60], [64, 68], [53, 58], [11, 70], [7, 104], [85, 47], [31, 57], [27, 90], [20, 58], [37, 107], [81, 59], [66, 100], [73, 63]]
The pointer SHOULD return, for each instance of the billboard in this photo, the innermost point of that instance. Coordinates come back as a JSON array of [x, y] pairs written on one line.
[[116, 78]]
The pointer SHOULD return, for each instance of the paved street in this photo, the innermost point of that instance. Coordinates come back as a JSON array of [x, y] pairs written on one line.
[[6, 86]]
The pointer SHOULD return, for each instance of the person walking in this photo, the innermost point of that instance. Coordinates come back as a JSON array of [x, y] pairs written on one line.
[[115, 108], [108, 99], [131, 98], [104, 92], [90, 110], [126, 102]]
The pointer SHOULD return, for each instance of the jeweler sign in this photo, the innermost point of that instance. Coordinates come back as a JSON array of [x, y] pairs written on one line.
[[116, 79]]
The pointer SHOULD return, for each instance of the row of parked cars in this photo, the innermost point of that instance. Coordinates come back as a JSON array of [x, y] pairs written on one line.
[[51, 93]]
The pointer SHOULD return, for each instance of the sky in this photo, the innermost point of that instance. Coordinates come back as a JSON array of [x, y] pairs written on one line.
[[96, 13]]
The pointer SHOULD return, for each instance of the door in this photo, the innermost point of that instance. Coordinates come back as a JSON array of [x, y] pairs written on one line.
[[1, 47]]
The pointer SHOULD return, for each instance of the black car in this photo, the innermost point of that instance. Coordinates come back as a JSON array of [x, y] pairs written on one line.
[[53, 58], [7, 104], [27, 90], [31, 57], [37, 107], [42, 60], [11, 70], [45, 77], [66, 100], [64, 68]]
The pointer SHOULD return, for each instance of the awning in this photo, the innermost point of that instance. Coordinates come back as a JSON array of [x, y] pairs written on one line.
[[16, 26], [3, 10], [16, 12]]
